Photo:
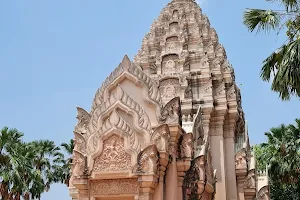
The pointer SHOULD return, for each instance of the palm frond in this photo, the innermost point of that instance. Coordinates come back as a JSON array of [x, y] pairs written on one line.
[[287, 76], [261, 20], [290, 5]]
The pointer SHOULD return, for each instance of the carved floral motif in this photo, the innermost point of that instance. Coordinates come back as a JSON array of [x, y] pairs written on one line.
[[114, 187]]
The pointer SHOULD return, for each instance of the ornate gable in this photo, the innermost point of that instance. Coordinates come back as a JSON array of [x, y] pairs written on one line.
[[122, 123]]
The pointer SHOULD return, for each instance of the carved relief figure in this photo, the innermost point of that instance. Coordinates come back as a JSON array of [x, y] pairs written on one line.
[[175, 15], [169, 92], [113, 157], [170, 65]]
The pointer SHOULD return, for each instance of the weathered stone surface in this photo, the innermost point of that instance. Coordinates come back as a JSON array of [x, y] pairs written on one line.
[[169, 125]]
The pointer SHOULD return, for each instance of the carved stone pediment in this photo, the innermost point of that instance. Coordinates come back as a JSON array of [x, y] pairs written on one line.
[[130, 70]]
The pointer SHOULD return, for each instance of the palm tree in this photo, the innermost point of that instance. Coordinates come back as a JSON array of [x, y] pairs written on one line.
[[282, 66], [44, 152], [282, 154], [63, 170], [284, 145], [9, 140]]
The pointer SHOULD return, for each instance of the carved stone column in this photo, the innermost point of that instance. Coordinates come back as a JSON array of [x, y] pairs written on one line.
[[250, 185], [241, 172], [182, 167], [171, 176], [83, 189], [163, 161], [73, 193], [218, 160], [147, 186], [230, 163]]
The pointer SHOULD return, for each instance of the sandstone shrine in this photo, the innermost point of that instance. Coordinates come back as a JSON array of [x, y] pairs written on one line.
[[168, 125]]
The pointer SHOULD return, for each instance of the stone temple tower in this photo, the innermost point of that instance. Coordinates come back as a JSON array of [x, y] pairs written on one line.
[[184, 138]]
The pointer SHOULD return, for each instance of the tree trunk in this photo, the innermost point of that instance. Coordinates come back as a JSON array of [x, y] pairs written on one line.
[[4, 191]]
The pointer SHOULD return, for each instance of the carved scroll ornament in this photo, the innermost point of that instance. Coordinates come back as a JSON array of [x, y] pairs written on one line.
[[83, 120], [186, 147], [264, 193], [241, 159], [171, 113], [148, 160], [80, 143], [161, 137], [79, 164]]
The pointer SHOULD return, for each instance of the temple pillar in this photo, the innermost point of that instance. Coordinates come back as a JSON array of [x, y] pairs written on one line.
[[180, 184], [182, 167], [163, 161], [240, 188], [241, 172], [172, 175], [82, 188], [230, 165], [159, 190], [218, 160], [147, 186], [171, 180]]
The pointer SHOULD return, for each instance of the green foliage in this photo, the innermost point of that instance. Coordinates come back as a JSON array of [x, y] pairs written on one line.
[[28, 169], [281, 153], [283, 65]]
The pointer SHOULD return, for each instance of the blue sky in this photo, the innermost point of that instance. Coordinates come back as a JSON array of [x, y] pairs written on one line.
[[55, 54]]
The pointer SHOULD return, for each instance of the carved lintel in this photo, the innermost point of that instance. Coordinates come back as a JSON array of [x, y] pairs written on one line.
[[112, 187]]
